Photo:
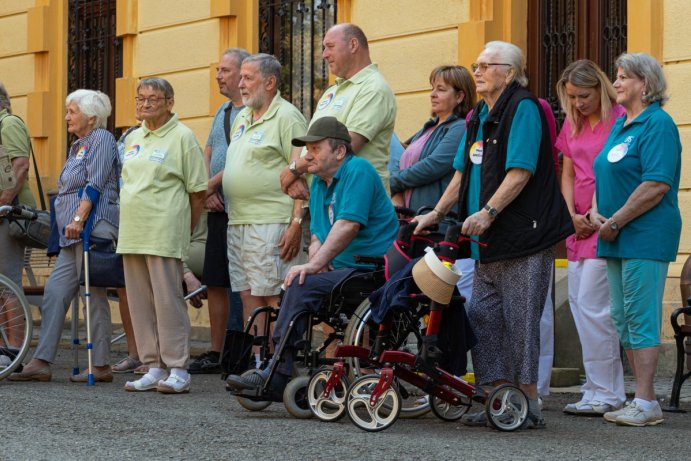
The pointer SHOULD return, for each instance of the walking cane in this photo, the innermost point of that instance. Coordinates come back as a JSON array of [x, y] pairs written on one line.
[[86, 234]]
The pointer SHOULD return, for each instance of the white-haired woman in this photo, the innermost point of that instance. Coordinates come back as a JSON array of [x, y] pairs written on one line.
[[638, 221], [88, 184], [509, 200]]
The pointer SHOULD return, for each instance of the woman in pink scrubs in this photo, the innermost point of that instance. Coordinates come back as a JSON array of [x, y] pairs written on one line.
[[588, 99]]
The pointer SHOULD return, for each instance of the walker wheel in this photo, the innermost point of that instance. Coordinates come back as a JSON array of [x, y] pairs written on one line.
[[372, 418], [332, 407], [447, 411], [507, 408]]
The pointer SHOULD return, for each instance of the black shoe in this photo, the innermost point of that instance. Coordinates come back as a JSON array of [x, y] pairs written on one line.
[[241, 383], [209, 362]]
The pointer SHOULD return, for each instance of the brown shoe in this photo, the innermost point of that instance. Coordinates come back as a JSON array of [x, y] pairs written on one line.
[[32, 374], [99, 377]]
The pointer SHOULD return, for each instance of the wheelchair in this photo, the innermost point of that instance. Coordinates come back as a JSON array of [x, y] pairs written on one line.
[[339, 307], [373, 402], [346, 311]]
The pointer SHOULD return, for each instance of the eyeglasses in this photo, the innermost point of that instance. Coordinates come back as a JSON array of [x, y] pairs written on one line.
[[484, 65], [153, 100]]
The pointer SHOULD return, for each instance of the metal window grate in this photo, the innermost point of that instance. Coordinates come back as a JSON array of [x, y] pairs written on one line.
[[293, 31], [94, 57]]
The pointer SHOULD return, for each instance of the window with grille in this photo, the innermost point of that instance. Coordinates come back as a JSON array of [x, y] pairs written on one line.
[[293, 31]]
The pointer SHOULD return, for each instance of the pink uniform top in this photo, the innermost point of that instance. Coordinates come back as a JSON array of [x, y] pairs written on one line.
[[582, 151]]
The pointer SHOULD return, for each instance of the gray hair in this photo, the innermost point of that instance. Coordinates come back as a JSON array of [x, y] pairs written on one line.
[[158, 84], [92, 103], [240, 54], [646, 68], [5, 99], [512, 55], [269, 66]]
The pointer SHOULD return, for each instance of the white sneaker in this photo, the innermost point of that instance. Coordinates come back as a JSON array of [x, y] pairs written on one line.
[[594, 407], [635, 415], [174, 385], [148, 382]]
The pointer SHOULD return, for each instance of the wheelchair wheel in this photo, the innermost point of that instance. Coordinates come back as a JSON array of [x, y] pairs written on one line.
[[415, 402], [366, 417], [295, 398], [16, 326], [507, 408], [331, 407], [253, 405], [448, 412]]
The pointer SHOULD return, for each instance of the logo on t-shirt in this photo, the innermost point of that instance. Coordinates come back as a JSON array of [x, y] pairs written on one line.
[[238, 133], [617, 152], [331, 209], [476, 153], [82, 152], [157, 156], [132, 152], [338, 104], [256, 138], [325, 101]]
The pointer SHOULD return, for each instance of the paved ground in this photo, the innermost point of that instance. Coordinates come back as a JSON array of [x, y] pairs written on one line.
[[62, 420]]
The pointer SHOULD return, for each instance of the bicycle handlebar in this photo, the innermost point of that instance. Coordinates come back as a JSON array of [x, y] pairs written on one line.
[[17, 212]]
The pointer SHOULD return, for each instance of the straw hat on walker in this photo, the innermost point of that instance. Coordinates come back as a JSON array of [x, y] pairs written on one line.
[[436, 280]]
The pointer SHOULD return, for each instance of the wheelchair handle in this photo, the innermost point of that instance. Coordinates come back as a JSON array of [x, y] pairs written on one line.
[[403, 211], [448, 249], [405, 232]]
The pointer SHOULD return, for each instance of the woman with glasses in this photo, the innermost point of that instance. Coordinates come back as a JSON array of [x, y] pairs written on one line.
[[588, 99], [510, 201], [87, 193], [163, 191]]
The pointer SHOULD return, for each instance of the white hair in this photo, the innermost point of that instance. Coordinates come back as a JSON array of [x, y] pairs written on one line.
[[512, 55], [646, 68], [92, 103]]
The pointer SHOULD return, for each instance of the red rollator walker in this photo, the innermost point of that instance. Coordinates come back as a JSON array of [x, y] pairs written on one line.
[[373, 402]]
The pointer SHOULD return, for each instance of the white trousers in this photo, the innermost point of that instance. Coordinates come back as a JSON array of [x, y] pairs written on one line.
[[590, 307], [544, 369]]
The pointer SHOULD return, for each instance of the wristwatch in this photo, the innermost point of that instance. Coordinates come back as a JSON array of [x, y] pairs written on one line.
[[613, 224], [293, 167], [490, 210], [77, 219], [297, 220]]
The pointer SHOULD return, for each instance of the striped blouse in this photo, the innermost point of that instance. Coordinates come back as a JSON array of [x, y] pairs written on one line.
[[92, 160]]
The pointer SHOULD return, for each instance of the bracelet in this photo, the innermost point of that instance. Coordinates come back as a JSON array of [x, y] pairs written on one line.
[[439, 213]]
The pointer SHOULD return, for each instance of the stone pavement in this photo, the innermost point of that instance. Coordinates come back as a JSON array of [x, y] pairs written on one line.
[[663, 389]]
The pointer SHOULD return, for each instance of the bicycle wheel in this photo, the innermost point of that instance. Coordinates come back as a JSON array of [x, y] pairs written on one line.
[[405, 335], [16, 326]]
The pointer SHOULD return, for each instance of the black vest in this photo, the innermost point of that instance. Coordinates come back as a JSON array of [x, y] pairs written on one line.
[[538, 217]]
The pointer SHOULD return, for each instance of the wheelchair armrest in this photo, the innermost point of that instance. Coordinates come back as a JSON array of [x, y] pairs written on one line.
[[376, 260]]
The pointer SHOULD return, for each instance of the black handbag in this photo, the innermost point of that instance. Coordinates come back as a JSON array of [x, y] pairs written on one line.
[[105, 265], [31, 233], [237, 353]]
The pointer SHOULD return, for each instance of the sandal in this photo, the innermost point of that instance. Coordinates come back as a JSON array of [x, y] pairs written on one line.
[[141, 370], [126, 365]]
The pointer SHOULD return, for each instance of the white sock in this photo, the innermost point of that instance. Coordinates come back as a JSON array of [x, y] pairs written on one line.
[[180, 373], [157, 373], [647, 405]]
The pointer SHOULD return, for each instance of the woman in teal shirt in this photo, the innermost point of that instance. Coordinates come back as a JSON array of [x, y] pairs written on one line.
[[637, 214]]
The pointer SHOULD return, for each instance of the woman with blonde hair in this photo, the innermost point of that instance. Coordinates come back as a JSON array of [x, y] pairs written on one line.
[[588, 99]]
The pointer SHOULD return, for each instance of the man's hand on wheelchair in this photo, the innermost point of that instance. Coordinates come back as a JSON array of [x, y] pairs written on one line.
[[300, 272]]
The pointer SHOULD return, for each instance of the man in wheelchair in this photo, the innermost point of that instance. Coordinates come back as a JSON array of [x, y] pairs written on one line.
[[351, 215]]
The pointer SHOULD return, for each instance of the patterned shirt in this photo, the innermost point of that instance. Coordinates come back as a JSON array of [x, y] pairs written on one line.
[[92, 161], [217, 139]]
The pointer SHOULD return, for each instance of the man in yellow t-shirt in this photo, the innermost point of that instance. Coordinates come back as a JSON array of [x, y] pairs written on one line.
[[264, 225], [361, 99]]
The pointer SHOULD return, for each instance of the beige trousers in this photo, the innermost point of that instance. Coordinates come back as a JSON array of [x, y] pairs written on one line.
[[158, 310]]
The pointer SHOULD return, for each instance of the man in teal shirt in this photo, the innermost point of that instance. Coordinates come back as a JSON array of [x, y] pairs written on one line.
[[351, 216]]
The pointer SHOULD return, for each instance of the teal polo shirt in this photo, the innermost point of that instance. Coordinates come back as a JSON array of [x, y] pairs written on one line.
[[356, 194], [523, 151], [647, 149]]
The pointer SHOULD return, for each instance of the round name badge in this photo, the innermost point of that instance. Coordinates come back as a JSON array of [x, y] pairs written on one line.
[[132, 152], [476, 153], [325, 102], [617, 152], [238, 133]]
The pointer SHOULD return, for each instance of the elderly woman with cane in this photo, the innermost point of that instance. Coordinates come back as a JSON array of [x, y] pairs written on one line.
[[88, 185], [164, 184]]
